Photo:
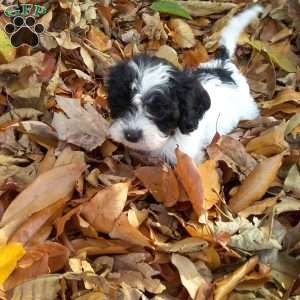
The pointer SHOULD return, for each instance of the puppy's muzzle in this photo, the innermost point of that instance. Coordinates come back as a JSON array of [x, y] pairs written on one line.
[[133, 135]]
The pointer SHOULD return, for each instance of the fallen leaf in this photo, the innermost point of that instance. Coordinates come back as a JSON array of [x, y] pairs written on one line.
[[169, 54], [9, 256], [38, 260], [284, 58], [171, 8], [34, 62], [292, 181], [99, 39], [283, 96], [233, 153], [39, 195], [187, 245], [182, 33], [105, 207], [269, 142], [210, 183], [84, 127], [99, 246], [154, 28], [226, 285], [39, 132], [193, 57], [35, 289], [27, 230], [87, 59], [190, 178], [7, 51], [190, 277], [92, 296], [258, 207], [256, 183], [161, 182], [125, 231], [61, 222], [286, 204], [198, 8], [293, 122]]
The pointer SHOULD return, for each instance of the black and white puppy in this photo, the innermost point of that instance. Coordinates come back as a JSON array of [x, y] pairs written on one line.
[[156, 107]]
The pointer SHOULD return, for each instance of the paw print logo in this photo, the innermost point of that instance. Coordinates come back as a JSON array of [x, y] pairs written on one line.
[[24, 31]]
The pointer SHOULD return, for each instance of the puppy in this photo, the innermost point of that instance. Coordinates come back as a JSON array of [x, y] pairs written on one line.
[[156, 107]]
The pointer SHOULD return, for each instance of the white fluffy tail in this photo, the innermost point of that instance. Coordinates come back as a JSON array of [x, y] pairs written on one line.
[[232, 31]]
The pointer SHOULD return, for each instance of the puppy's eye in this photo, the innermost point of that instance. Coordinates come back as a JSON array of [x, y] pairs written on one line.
[[157, 109]]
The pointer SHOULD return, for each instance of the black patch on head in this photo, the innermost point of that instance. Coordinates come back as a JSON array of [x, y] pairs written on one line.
[[163, 109], [222, 53], [179, 104], [119, 83], [222, 73], [193, 101]]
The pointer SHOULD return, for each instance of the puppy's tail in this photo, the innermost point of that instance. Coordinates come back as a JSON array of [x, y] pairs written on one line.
[[232, 31]]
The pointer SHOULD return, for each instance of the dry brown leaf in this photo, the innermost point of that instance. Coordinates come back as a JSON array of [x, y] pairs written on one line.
[[169, 54], [286, 95], [99, 246], [210, 183], [27, 230], [182, 34], [287, 204], [83, 127], [125, 231], [292, 181], [233, 153], [256, 183], [35, 289], [190, 277], [105, 207], [226, 285], [161, 182], [154, 28], [270, 142], [34, 62], [61, 222], [24, 72], [87, 59], [37, 261], [48, 162], [190, 244], [193, 57], [258, 207], [99, 39], [190, 178], [39, 195], [198, 8]]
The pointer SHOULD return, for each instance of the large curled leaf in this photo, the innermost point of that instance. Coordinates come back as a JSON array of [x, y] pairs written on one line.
[[256, 183], [171, 8]]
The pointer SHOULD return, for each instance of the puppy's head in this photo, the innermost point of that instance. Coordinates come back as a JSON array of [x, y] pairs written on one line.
[[150, 99]]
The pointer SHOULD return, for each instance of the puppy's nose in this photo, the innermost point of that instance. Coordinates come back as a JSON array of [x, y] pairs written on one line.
[[133, 135]]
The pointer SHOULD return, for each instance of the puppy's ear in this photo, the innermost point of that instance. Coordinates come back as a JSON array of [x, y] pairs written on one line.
[[193, 101], [118, 82]]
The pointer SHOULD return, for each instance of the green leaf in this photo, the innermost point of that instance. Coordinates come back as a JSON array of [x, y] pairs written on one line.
[[170, 8], [7, 51]]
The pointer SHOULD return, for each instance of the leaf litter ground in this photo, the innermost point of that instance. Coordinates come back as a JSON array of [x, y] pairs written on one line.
[[84, 218]]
